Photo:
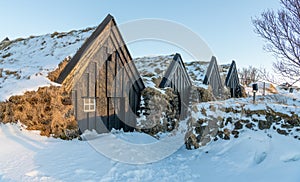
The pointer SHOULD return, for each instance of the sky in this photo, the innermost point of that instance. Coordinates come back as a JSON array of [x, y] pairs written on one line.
[[225, 26]]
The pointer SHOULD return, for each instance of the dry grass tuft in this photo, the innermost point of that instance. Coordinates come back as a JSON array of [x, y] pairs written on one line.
[[55, 74], [43, 110]]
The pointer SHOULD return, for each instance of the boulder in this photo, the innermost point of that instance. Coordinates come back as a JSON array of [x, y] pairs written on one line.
[[191, 142], [264, 124], [238, 125], [282, 132], [226, 134]]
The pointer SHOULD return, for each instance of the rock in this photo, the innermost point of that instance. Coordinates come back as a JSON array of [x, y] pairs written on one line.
[[270, 118], [264, 124], [286, 126], [226, 134], [201, 121], [249, 125], [191, 142], [238, 126], [71, 133], [200, 130], [220, 134], [199, 138], [221, 125], [235, 133], [277, 119], [293, 122], [5, 40], [282, 132], [226, 137], [205, 140], [244, 121], [161, 110], [228, 120]]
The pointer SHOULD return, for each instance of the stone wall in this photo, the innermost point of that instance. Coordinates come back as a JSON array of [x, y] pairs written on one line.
[[159, 111], [216, 121]]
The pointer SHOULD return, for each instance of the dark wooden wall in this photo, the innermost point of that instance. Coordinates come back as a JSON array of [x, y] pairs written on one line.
[[103, 75], [232, 81], [177, 78], [110, 81], [213, 78]]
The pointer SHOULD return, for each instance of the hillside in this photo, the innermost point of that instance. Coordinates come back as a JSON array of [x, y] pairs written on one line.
[[153, 68], [25, 63]]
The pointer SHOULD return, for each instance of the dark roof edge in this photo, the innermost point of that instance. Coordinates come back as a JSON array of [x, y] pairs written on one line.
[[233, 64], [66, 71], [213, 61], [176, 57]]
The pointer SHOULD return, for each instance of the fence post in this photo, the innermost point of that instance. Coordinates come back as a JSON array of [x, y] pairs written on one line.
[[264, 89]]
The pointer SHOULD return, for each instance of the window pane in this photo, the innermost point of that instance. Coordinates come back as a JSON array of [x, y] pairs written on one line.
[[89, 104]]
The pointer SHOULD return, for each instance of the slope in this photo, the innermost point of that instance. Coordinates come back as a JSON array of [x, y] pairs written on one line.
[[25, 63]]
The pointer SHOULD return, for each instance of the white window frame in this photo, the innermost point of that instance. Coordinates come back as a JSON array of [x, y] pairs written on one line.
[[89, 104]]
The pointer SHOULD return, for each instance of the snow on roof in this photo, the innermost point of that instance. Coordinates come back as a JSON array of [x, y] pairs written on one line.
[[196, 71], [152, 69], [25, 63]]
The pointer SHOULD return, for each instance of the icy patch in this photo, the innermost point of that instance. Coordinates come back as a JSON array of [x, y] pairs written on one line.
[[32, 173]]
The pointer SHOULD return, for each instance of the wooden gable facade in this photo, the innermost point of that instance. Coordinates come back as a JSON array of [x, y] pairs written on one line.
[[213, 78], [104, 82], [232, 81], [177, 78]]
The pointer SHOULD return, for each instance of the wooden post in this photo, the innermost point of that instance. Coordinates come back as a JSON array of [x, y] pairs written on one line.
[[254, 93], [264, 89]]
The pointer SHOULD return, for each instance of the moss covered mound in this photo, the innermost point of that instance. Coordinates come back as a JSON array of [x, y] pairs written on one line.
[[49, 110]]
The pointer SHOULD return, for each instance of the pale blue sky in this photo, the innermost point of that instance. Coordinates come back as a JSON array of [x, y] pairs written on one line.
[[224, 25]]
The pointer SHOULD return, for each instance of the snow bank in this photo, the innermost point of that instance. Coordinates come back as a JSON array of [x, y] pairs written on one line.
[[254, 156]]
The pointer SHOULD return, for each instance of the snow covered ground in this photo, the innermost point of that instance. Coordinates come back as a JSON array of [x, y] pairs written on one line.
[[254, 156]]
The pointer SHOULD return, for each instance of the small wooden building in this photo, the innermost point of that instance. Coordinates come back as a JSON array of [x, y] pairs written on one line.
[[166, 71], [177, 78], [212, 77], [232, 81], [104, 82]]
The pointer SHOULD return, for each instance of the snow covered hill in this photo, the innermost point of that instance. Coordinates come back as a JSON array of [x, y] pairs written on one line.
[[154, 67], [25, 63]]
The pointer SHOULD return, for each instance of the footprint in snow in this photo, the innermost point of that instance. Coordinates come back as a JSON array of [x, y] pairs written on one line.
[[290, 157], [260, 157]]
